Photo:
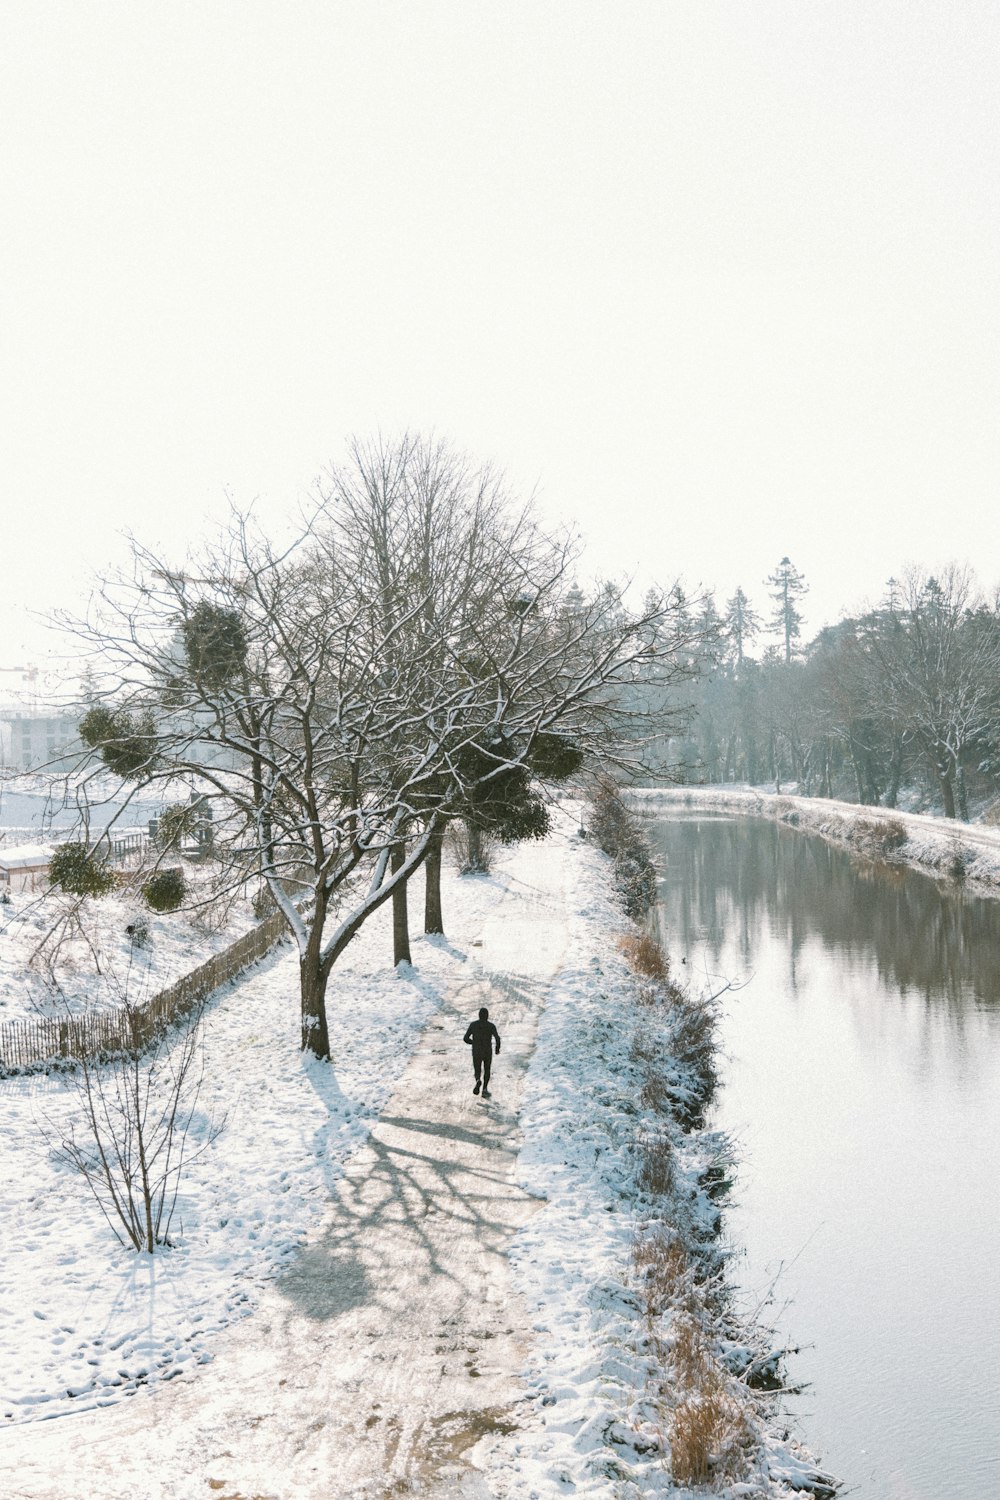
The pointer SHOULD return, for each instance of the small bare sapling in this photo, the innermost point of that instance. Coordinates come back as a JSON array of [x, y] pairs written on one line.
[[138, 1127]]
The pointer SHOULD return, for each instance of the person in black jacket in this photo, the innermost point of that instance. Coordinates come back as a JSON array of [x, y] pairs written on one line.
[[480, 1037]]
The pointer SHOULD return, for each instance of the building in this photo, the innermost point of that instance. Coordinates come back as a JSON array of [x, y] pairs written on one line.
[[34, 737], [24, 867]]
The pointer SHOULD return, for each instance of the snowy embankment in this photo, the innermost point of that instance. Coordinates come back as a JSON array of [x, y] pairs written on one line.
[[619, 1361], [604, 1387], [941, 846], [60, 956]]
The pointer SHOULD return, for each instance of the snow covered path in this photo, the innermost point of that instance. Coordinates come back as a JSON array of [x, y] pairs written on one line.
[[388, 1346]]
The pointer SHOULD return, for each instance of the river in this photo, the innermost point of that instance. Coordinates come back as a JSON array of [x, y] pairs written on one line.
[[862, 1089]]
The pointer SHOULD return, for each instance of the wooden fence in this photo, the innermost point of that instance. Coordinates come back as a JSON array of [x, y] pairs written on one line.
[[34, 1044]]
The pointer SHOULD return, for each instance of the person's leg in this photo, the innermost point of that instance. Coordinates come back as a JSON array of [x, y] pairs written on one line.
[[477, 1065], [487, 1069]]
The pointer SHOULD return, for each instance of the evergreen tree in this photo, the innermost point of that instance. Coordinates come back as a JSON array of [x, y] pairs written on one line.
[[741, 623], [788, 585]]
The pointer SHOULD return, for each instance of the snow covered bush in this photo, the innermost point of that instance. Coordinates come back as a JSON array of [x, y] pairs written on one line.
[[137, 932], [471, 848], [621, 836], [877, 837]]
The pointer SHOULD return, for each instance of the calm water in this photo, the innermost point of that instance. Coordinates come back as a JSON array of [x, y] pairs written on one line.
[[863, 1087]]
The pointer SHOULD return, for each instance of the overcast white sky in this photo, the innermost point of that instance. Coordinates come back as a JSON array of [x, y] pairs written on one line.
[[719, 279]]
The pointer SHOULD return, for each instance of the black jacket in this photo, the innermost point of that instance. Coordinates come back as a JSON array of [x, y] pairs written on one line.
[[480, 1035]]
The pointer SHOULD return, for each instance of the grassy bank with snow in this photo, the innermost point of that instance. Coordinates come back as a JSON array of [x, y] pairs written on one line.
[[943, 847], [642, 1383]]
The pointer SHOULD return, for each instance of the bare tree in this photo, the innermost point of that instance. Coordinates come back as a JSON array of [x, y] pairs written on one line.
[[133, 1139], [409, 658], [934, 664]]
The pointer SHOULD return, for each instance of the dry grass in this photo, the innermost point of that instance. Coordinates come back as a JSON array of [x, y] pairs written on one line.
[[655, 1093], [656, 1166], [691, 1358], [709, 1436], [693, 1043], [644, 954], [878, 837], [645, 1048], [710, 1430], [661, 1266]]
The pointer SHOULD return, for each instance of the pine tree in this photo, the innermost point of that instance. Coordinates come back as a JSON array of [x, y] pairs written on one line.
[[741, 622], [788, 585]]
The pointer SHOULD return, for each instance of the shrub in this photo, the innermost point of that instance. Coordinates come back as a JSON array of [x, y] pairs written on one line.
[[78, 872], [645, 955], [878, 836], [616, 832], [471, 847], [137, 1129], [656, 1166], [137, 932], [165, 890], [611, 824], [635, 879], [663, 1270], [693, 1041]]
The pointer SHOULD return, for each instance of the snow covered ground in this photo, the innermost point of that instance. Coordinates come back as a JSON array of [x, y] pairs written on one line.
[[108, 1356], [53, 965], [941, 846]]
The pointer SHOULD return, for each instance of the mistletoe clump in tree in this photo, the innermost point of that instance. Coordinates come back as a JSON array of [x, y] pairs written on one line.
[[78, 872]]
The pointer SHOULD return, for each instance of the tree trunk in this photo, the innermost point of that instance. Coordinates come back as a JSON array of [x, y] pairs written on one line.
[[433, 918], [312, 979], [895, 774], [859, 780], [947, 791], [728, 770], [400, 915], [963, 792], [475, 847]]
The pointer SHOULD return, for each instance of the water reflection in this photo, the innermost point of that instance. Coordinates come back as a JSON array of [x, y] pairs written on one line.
[[730, 878], [862, 1083]]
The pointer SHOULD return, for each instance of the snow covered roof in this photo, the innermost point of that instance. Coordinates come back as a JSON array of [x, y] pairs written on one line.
[[24, 856]]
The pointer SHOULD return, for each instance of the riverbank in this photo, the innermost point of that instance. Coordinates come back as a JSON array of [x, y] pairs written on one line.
[[257, 1356], [943, 847]]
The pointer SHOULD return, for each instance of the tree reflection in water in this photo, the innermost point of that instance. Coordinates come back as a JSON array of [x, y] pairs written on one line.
[[730, 877]]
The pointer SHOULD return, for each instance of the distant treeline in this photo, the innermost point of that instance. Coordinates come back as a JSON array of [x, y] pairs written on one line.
[[904, 695]]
